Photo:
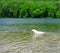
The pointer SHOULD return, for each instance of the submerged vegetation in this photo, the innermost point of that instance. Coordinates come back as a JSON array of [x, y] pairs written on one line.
[[29, 9]]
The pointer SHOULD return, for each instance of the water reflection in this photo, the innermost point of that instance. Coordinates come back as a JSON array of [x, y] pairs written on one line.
[[28, 21], [16, 36], [22, 42]]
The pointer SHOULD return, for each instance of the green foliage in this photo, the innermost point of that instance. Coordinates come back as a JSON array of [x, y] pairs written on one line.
[[31, 8], [36, 13], [58, 14]]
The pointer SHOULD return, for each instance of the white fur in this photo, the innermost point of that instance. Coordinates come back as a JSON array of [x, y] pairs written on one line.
[[37, 33]]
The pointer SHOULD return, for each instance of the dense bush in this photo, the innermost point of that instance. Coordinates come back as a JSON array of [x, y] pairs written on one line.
[[29, 9]]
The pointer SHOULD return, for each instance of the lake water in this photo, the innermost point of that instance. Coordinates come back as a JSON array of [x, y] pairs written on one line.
[[16, 35]]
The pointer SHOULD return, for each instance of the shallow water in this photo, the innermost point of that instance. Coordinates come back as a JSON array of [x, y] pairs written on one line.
[[16, 36]]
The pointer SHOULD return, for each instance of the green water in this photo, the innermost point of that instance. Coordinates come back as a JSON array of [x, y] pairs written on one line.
[[16, 36]]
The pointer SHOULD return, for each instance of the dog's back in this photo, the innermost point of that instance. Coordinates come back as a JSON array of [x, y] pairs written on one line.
[[37, 33]]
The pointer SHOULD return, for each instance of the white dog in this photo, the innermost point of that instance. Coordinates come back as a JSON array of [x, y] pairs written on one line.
[[37, 33]]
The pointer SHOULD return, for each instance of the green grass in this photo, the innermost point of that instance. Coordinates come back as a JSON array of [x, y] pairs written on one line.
[[29, 9]]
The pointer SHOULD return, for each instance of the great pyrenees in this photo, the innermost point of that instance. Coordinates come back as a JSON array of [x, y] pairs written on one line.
[[37, 33]]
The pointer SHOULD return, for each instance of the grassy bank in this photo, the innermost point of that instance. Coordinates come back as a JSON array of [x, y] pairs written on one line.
[[31, 8]]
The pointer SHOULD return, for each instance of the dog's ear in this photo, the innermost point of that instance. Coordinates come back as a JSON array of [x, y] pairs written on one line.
[[32, 29]]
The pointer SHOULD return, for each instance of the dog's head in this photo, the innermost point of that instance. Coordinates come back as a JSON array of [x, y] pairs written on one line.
[[33, 30]]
